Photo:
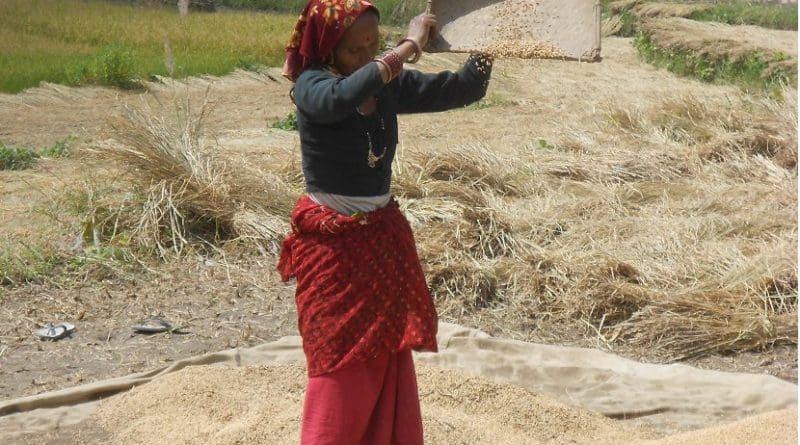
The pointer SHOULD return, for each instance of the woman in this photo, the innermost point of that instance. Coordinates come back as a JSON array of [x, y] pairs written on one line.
[[362, 300]]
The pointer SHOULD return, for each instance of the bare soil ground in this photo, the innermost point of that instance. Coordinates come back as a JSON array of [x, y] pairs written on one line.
[[237, 299]]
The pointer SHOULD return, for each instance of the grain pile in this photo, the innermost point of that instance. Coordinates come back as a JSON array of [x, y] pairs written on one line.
[[777, 427], [513, 33], [222, 406], [510, 28], [217, 405], [525, 49]]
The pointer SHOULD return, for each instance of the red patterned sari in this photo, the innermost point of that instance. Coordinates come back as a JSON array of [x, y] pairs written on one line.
[[360, 292]]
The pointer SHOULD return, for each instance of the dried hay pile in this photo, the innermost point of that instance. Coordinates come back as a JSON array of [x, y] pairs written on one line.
[[677, 235], [185, 193], [683, 246]]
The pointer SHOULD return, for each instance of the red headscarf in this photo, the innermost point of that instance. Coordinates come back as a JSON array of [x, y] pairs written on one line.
[[319, 28]]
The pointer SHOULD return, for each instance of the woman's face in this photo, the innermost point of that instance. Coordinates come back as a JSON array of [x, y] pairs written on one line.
[[358, 46]]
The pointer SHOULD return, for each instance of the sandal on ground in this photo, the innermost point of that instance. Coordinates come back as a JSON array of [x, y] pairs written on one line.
[[154, 325], [55, 331]]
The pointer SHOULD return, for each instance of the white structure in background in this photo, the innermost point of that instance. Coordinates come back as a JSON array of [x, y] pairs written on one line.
[[183, 8]]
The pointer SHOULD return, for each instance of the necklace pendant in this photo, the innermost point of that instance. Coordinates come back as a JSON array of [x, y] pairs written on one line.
[[372, 160]]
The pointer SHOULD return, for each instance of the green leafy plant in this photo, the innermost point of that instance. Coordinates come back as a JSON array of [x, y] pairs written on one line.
[[58, 150], [114, 65], [21, 158], [750, 13], [289, 123], [544, 145], [16, 158], [628, 23]]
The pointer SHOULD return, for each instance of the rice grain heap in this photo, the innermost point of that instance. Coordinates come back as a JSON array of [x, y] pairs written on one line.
[[512, 28], [512, 35]]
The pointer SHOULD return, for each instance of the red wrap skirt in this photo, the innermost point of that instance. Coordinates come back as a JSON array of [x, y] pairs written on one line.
[[361, 294]]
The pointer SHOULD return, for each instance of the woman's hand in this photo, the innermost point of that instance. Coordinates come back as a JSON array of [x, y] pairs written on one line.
[[421, 28], [410, 48]]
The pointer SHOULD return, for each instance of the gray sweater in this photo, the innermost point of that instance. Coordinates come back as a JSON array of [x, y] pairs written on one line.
[[335, 138]]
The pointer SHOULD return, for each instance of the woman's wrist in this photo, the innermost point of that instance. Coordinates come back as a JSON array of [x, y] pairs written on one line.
[[384, 70], [391, 61], [416, 48]]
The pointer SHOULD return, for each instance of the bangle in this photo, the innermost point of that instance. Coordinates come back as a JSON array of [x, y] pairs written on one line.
[[417, 49], [392, 61], [388, 69]]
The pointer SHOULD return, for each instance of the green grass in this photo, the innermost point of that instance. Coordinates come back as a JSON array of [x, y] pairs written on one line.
[[735, 12], [20, 158], [27, 264], [77, 42], [393, 12], [604, 9], [751, 70], [748, 13], [629, 24]]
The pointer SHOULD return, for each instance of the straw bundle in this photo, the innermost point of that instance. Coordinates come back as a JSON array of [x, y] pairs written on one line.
[[699, 323], [482, 232], [463, 172], [421, 212], [606, 293], [771, 134], [758, 127], [189, 194], [463, 285]]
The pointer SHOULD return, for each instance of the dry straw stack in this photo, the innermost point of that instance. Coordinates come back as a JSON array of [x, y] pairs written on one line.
[[188, 193], [677, 235], [682, 246]]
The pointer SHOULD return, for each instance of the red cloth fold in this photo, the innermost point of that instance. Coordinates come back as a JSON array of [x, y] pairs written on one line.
[[361, 292], [318, 30], [383, 410]]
